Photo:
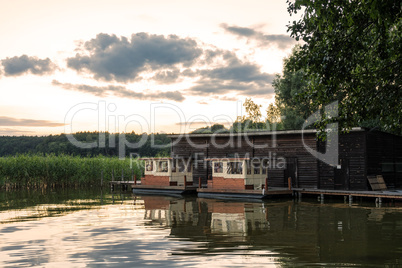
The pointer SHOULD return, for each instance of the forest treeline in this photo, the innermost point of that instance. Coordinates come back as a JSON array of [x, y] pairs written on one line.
[[141, 144]]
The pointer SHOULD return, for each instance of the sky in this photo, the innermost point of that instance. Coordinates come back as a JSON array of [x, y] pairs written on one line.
[[143, 66]]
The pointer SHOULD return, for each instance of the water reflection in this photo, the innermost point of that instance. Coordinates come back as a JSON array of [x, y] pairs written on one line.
[[90, 228], [304, 233]]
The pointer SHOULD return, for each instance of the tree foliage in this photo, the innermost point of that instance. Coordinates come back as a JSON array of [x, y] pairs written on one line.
[[289, 87], [351, 53]]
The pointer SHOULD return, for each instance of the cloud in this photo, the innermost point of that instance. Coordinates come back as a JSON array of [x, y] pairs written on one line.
[[216, 87], [10, 121], [121, 92], [232, 76], [14, 132], [24, 64], [167, 76], [111, 58], [246, 72], [264, 40], [166, 60]]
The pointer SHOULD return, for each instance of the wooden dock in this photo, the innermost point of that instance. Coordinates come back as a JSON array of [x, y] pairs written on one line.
[[163, 190], [378, 195], [246, 194], [136, 187]]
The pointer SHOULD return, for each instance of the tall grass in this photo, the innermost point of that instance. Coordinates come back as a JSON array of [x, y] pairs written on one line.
[[64, 170]]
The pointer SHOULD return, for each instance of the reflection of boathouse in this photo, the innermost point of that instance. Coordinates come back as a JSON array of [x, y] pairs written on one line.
[[361, 153], [293, 232]]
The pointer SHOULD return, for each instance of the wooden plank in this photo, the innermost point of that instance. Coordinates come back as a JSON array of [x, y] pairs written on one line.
[[381, 183], [377, 183]]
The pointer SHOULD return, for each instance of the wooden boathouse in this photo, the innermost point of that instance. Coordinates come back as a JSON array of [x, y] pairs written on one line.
[[361, 152]]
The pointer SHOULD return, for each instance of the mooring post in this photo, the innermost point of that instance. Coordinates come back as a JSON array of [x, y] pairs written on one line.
[[290, 183], [199, 182], [135, 179], [185, 181], [350, 198], [266, 183]]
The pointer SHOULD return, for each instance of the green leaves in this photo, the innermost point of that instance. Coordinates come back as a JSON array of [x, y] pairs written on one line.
[[352, 54]]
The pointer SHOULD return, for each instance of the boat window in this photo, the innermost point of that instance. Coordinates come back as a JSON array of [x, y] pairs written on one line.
[[149, 165], [174, 165], [218, 167], [163, 166], [181, 165], [256, 167], [265, 166], [249, 167], [235, 168]]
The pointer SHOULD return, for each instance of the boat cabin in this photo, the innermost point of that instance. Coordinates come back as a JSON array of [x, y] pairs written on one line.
[[167, 171], [238, 173]]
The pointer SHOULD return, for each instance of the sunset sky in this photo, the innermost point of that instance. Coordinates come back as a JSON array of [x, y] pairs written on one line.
[[143, 66]]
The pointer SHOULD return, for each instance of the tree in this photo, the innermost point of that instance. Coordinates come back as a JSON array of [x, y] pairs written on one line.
[[252, 120], [352, 54], [292, 109]]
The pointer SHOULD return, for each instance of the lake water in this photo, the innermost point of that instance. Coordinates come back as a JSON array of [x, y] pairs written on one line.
[[78, 228]]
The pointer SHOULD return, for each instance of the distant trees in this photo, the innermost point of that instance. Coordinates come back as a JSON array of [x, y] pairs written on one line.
[[59, 144]]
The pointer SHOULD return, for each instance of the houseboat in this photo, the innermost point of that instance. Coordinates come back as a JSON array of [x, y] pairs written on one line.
[[292, 160], [240, 178], [166, 175]]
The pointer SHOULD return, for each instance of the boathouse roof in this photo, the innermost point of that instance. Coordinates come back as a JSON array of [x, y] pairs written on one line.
[[254, 133]]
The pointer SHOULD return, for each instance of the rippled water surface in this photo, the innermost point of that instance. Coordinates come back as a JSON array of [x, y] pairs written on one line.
[[89, 228]]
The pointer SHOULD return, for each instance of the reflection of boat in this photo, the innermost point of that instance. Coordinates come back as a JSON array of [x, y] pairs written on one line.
[[243, 178], [294, 232], [166, 176]]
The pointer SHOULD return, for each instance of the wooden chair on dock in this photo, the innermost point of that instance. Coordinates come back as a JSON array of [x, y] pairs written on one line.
[[377, 183]]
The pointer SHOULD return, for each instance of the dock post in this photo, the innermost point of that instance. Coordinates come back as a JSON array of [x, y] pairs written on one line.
[[135, 179], [322, 198], [290, 183], [350, 198], [266, 183], [185, 181], [199, 182]]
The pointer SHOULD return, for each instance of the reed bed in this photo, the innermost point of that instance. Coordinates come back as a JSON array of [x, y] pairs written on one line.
[[33, 171]]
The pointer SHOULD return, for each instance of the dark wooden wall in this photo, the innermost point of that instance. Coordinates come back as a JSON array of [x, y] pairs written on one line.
[[277, 149], [385, 148], [352, 147]]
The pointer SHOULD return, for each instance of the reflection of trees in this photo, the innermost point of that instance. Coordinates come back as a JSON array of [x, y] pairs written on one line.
[[23, 205], [306, 232]]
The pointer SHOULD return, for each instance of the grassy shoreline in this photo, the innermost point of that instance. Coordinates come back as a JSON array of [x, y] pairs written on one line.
[[42, 171]]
